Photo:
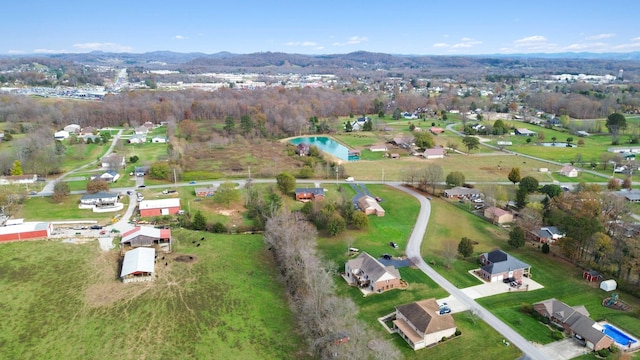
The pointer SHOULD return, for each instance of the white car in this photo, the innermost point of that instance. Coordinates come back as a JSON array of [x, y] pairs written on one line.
[[349, 179], [478, 200]]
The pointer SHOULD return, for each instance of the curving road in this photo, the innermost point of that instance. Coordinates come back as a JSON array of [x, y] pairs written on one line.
[[48, 188], [413, 252]]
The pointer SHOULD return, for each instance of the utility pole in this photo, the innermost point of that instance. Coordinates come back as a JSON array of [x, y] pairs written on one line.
[[175, 181]]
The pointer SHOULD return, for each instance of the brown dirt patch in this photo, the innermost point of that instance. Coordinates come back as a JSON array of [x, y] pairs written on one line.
[[186, 258]]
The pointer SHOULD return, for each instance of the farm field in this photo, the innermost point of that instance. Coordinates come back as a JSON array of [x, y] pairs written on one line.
[[64, 301]]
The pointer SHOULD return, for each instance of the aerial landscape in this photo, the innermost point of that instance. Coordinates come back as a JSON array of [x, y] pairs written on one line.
[[320, 181]]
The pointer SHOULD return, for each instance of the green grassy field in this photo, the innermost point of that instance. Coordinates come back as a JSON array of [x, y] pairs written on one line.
[[45, 209], [64, 301]]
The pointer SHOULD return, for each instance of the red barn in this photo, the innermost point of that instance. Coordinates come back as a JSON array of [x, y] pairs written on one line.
[[25, 231], [159, 207]]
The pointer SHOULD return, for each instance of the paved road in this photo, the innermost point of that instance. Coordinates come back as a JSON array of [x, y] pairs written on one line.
[[48, 188], [413, 252]]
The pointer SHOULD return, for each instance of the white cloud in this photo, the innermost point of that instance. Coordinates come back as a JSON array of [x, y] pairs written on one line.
[[48, 51], [111, 47], [464, 43], [597, 46], [302, 43], [635, 39], [180, 37], [531, 40], [354, 40], [600, 36], [16, 52]]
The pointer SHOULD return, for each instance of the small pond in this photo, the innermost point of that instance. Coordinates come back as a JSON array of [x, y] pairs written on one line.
[[327, 145], [557, 144]]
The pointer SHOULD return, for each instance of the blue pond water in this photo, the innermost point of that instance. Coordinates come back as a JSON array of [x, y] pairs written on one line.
[[617, 335], [327, 145]]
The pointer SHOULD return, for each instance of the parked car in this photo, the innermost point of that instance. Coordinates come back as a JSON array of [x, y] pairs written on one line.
[[192, 182], [478, 200], [393, 245], [478, 207], [142, 186], [386, 257], [445, 310], [96, 227], [350, 179]]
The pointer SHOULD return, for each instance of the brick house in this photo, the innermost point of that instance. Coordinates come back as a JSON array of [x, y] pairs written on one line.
[[497, 265], [368, 273], [421, 325]]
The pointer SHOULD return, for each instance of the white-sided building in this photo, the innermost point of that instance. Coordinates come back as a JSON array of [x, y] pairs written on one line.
[[138, 265]]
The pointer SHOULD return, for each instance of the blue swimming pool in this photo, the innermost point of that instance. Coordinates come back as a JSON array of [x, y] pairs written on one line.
[[327, 145], [618, 335]]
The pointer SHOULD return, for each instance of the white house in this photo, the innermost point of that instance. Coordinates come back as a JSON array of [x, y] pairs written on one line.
[[159, 140], [113, 159], [108, 176], [61, 135], [569, 171], [72, 128]]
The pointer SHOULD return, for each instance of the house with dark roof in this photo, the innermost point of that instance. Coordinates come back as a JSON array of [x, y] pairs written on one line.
[[309, 194], [101, 198], [548, 234], [497, 265], [370, 275], [576, 321], [421, 325]]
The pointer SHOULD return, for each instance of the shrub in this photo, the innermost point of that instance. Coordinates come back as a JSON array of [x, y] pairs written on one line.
[[458, 332], [218, 228], [545, 248], [557, 335], [603, 353], [526, 308]]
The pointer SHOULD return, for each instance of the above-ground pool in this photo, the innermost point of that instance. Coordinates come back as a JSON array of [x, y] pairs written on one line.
[[618, 335]]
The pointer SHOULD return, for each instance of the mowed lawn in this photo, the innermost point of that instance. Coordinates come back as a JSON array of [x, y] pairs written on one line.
[[45, 209], [561, 280], [64, 301], [486, 167], [401, 211]]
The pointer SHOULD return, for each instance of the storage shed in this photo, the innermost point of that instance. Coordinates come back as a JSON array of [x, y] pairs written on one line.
[[608, 285]]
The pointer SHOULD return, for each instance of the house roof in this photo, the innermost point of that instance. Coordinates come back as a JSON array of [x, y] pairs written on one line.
[[146, 231], [567, 169], [99, 195], [158, 204], [23, 227], [314, 191], [496, 211], [367, 202], [204, 190], [112, 156], [562, 311], [501, 262], [588, 329], [460, 191], [434, 151], [372, 267], [549, 232], [425, 316], [111, 172], [138, 260]]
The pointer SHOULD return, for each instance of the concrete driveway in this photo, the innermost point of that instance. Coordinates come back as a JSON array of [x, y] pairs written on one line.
[[564, 349]]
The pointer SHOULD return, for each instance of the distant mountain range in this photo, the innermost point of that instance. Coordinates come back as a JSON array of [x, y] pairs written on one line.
[[520, 64]]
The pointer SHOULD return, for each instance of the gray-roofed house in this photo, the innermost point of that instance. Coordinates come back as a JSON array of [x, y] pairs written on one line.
[[138, 265], [141, 170], [632, 195], [309, 194], [101, 198], [371, 275], [576, 321], [303, 149], [108, 176], [459, 192], [421, 325], [548, 234], [497, 265]]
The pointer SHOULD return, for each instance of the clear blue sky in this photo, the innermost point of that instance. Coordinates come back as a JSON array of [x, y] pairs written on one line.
[[423, 27]]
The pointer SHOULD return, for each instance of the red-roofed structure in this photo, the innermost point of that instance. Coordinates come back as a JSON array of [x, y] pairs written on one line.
[[147, 236]]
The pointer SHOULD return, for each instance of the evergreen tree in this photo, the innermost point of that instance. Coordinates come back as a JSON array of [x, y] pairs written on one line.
[[465, 247], [199, 222], [516, 237]]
